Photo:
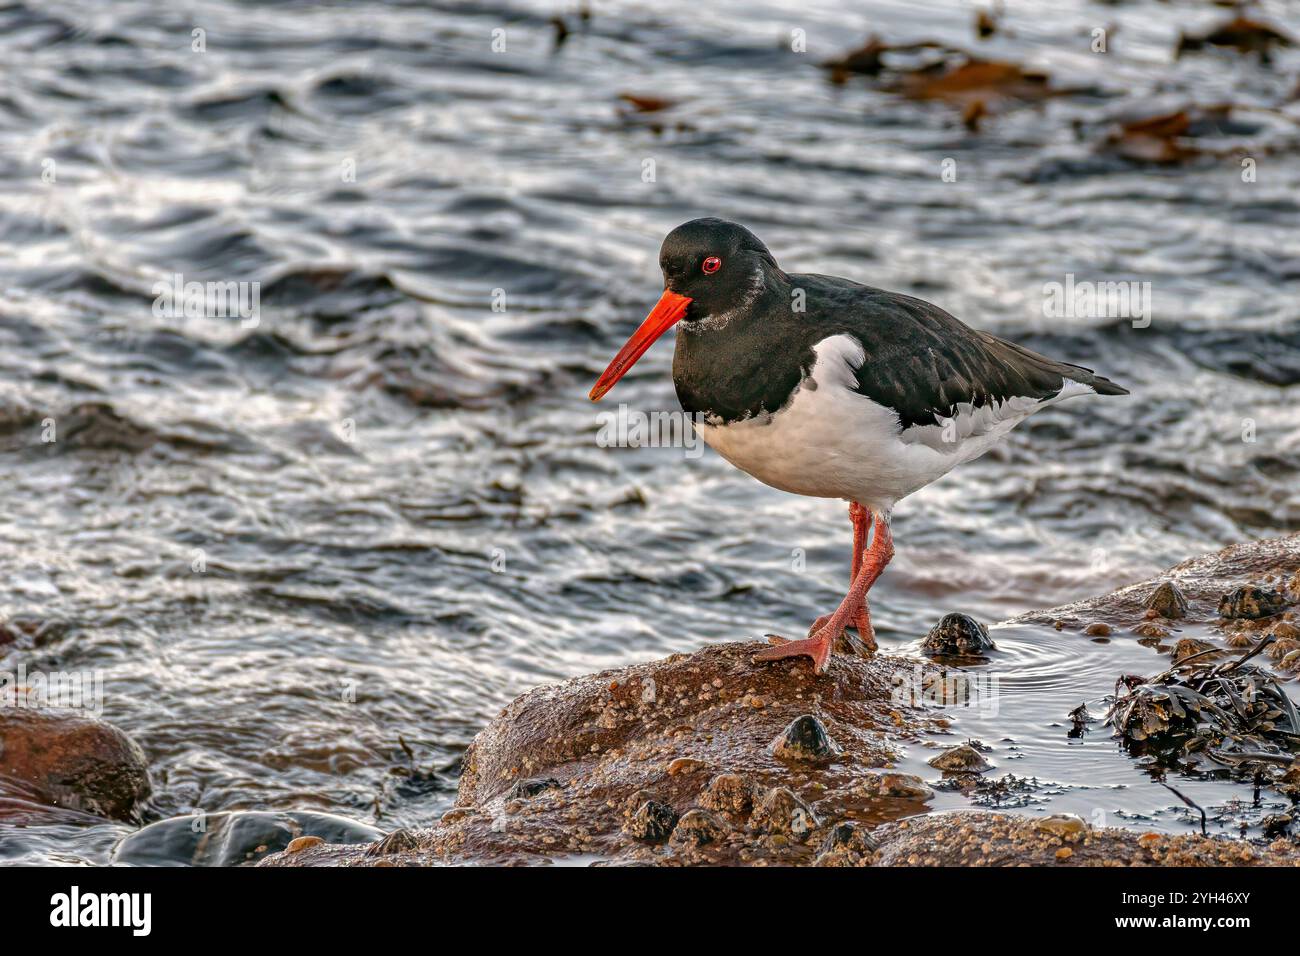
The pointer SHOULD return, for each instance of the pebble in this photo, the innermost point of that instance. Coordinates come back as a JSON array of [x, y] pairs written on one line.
[[697, 827], [685, 765], [878, 783], [1067, 826], [781, 812], [1167, 601], [728, 792], [1251, 602], [962, 759], [652, 822], [805, 739], [958, 635]]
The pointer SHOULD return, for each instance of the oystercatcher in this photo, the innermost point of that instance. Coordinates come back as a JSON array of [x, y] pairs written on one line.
[[821, 386]]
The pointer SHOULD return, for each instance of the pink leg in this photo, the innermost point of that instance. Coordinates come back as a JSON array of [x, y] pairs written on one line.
[[861, 519], [851, 610]]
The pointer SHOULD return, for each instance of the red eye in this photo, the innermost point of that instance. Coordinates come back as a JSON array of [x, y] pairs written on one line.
[[712, 265]]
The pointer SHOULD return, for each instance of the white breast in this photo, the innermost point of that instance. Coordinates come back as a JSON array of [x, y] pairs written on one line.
[[829, 441]]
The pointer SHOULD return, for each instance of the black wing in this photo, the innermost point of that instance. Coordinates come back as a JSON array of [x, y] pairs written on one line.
[[923, 362]]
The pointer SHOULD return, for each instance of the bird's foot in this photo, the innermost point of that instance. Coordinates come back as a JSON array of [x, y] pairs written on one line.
[[861, 621], [818, 647]]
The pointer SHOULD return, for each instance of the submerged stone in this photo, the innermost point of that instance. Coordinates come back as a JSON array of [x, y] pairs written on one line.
[[963, 759], [234, 837], [891, 783]]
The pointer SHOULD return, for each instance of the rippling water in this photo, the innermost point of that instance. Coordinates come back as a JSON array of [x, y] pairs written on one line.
[[368, 522]]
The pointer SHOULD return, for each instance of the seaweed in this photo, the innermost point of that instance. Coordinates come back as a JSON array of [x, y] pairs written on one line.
[[1202, 715]]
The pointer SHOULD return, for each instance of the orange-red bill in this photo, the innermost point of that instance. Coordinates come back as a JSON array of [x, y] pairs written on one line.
[[666, 313]]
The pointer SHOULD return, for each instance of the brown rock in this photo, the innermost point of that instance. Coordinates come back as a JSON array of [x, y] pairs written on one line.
[[1001, 839], [1167, 601], [696, 828], [805, 739], [781, 812], [729, 793], [652, 821], [1251, 602], [1190, 646], [962, 759], [303, 843], [73, 761]]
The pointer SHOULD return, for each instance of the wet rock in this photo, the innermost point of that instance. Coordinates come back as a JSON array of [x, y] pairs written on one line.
[[1276, 824], [981, 838], [298, 844], [1167, 601], [1241, 34], [1190, 646], [1097, 629], [957, 635], [1280, 649], [1067, 826], [805, 739], [1251, 602], [229, 839], [846, 844], [525, 789], [1285, 631], [962, 759], [891, 784], [400, 840], [1151, 631], [1202, 580], [728, 793], [781, 812], [72, 761], [703, 739], [696, 828], [685, 765], [652, 822]]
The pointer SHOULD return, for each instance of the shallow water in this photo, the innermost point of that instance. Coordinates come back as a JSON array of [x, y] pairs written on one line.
[[376, 517]]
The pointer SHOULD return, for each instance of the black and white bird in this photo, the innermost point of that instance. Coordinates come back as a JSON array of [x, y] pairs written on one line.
[[821, 386]]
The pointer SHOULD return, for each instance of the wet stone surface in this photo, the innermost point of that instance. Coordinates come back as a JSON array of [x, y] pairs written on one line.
[[957, 635], [1251, 602], [961, 759], [1167, 601], [805, 739]]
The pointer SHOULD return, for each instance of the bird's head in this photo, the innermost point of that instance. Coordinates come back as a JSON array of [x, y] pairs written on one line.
[[711, 268]]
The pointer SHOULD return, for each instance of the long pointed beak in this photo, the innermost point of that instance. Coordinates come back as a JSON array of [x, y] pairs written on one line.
[[666, 313]]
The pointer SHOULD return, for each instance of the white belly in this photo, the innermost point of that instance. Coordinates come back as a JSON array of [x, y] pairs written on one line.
[[831, 442]]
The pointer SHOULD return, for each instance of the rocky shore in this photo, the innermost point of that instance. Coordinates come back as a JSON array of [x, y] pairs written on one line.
[[704, 759], [707, 759]]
